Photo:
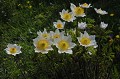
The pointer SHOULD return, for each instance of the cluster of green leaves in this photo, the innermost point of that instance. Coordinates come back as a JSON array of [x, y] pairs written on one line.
[[20, 26]]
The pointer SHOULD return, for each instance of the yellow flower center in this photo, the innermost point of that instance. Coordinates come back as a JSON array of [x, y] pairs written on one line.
[[45, 35], [42, 44], [56, 36], [79, 11], [85, 4], [67, 16], [63, 45], [59, 26], [85, 41], [13, 50]]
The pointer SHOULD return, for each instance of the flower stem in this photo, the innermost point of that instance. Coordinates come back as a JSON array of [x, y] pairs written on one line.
[[55, 74], [18, 66], [99, 18], [77, 28]]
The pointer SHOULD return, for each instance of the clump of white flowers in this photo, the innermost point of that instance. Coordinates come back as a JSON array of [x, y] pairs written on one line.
[[43, 43], [45, 40]]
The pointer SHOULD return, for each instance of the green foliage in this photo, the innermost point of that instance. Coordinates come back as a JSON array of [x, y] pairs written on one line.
[[5, 11], [21, 20]]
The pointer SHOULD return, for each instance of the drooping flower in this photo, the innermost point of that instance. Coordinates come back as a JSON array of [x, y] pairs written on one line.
[[67, 16], [59, 24], [64, 44], [77, 11], [56, 34], [44, 34], [85, 5], [86, 40], [82, 25], [42, 44], [13, 49], [103, 25], [100, 11]]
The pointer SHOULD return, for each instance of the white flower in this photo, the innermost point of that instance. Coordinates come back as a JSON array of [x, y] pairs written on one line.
[[67, 16], [59, 24], [77, 11], [42, 44], [56, 34], [43, 34], [99, 11], [86, 40], [82, 25], [85, 5], [64, 44], [13, 49], [103, 25]]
